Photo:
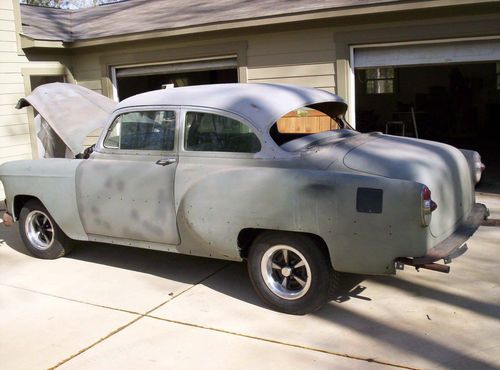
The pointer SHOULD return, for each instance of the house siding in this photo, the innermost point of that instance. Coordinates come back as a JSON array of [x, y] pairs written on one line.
[[87, 71], [280, 57], [14, 128], [304, 58]]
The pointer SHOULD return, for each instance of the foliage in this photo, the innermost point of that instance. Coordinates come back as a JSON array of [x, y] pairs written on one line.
[[66, 4]]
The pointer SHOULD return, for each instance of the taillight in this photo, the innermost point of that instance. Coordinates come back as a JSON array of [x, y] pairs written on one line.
[[478, 167], [428, 205]]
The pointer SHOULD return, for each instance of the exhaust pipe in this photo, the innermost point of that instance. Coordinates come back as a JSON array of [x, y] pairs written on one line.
[[428, 266]]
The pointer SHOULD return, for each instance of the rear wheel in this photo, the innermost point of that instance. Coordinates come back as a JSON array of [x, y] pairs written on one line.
[[290, 272], [40, 234]]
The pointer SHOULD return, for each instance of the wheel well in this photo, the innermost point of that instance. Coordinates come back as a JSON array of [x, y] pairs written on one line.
[[19, 202], [248, 235]]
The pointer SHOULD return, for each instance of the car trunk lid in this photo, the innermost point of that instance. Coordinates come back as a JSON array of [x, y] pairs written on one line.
[[441, 167]]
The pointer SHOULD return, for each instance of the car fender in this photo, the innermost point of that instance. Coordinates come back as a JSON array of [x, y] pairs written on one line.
[[52, 181], [215, 206]]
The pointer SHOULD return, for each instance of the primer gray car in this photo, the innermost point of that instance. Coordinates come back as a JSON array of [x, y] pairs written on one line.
[[204, 170]]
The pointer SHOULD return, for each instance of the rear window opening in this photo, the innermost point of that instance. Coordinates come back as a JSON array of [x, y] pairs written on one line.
[[308, 121]]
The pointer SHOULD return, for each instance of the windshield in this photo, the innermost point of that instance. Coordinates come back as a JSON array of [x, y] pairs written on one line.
[[308, 122]]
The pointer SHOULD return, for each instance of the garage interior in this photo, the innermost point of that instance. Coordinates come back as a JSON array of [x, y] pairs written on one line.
[[135, 80], [456, 103]]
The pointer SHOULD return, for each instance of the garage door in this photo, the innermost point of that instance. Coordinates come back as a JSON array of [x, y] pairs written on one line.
[[131, 80], [197, 66], [427, 54]]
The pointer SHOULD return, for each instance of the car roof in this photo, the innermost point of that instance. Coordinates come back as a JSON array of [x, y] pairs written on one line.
[[259, 103]]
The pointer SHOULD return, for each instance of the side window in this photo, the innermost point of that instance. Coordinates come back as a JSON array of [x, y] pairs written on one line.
[[214, 133], [146, 130]]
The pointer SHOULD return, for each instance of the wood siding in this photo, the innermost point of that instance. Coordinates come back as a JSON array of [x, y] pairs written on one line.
[[14, 128], [87, 71], [304, 58]]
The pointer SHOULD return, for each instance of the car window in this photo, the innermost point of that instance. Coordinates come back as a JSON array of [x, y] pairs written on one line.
[[215, 133], [146, 130]]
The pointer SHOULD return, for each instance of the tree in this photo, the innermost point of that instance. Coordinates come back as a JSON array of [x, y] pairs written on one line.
[[47, 3], [66, 4]]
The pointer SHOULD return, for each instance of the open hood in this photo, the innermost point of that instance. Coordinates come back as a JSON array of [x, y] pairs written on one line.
[[72, 111]]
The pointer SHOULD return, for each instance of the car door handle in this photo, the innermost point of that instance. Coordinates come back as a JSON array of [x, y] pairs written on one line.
[[166, 161]]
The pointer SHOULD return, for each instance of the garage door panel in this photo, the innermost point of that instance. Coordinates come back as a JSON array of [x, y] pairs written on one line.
[[429, 54]]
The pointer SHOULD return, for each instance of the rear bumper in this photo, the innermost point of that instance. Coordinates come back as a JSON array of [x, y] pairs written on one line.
[[453, 246]]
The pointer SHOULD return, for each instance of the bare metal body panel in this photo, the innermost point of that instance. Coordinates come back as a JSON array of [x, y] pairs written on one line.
[[52, 181], [72, 111], [200, 203], [131, 198]]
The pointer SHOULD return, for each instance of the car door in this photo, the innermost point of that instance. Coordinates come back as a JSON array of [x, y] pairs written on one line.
[[126, 190]]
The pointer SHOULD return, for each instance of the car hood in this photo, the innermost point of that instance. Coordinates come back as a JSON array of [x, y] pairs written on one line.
[[441, 167], [72, 111]]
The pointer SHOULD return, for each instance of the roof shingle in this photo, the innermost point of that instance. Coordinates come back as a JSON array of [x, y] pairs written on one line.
[[135, 16]]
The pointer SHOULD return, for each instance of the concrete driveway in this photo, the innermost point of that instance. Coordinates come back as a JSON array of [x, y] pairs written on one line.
[[111, 307]]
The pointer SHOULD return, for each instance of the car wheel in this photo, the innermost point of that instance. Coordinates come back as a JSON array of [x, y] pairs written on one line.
[[291, 273], [41, 235]]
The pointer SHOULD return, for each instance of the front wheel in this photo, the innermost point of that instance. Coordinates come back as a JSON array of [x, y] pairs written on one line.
[[40, 234], [291, 273]]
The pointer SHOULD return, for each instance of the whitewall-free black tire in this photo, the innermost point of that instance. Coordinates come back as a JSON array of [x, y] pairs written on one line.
[[41, 235], [290, 272]]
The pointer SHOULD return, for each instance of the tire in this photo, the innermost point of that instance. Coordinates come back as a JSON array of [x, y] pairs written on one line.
[[40, 234], [272, 266]]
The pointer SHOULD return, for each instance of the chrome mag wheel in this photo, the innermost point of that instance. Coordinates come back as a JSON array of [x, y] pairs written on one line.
[[39, 230], [286, 272]]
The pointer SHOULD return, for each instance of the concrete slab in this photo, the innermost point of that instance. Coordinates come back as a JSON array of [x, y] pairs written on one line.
[[422, 320], [492, 201], [119, 277], [155, 344], [37, 331]]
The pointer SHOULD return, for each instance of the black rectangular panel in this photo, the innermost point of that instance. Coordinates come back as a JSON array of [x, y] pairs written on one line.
[[369, 200]]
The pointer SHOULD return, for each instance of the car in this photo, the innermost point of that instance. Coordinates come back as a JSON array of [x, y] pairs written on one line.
[[210, 171]]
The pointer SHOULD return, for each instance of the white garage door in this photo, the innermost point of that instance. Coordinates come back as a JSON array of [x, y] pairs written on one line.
[[427, 54], [192, 66]]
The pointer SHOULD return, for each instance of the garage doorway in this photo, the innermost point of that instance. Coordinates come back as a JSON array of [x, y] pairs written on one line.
[[456, 102], [134, 80]]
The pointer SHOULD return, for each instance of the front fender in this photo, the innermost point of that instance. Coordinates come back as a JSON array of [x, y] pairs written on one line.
[[52, 181]]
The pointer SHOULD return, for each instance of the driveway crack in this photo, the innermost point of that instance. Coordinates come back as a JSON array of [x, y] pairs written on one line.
[[121, 328], [315, 349]]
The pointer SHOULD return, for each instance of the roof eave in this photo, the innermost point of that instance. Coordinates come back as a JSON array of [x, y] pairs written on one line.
[[264, 21], [28, 42]]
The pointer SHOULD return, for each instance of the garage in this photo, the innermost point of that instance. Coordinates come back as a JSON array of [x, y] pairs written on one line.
[[132, 80], [444, 91]]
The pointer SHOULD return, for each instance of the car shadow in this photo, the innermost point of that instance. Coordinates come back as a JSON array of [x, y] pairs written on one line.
[[165, 265], [233, 281], [231, 278], [10, 236]]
